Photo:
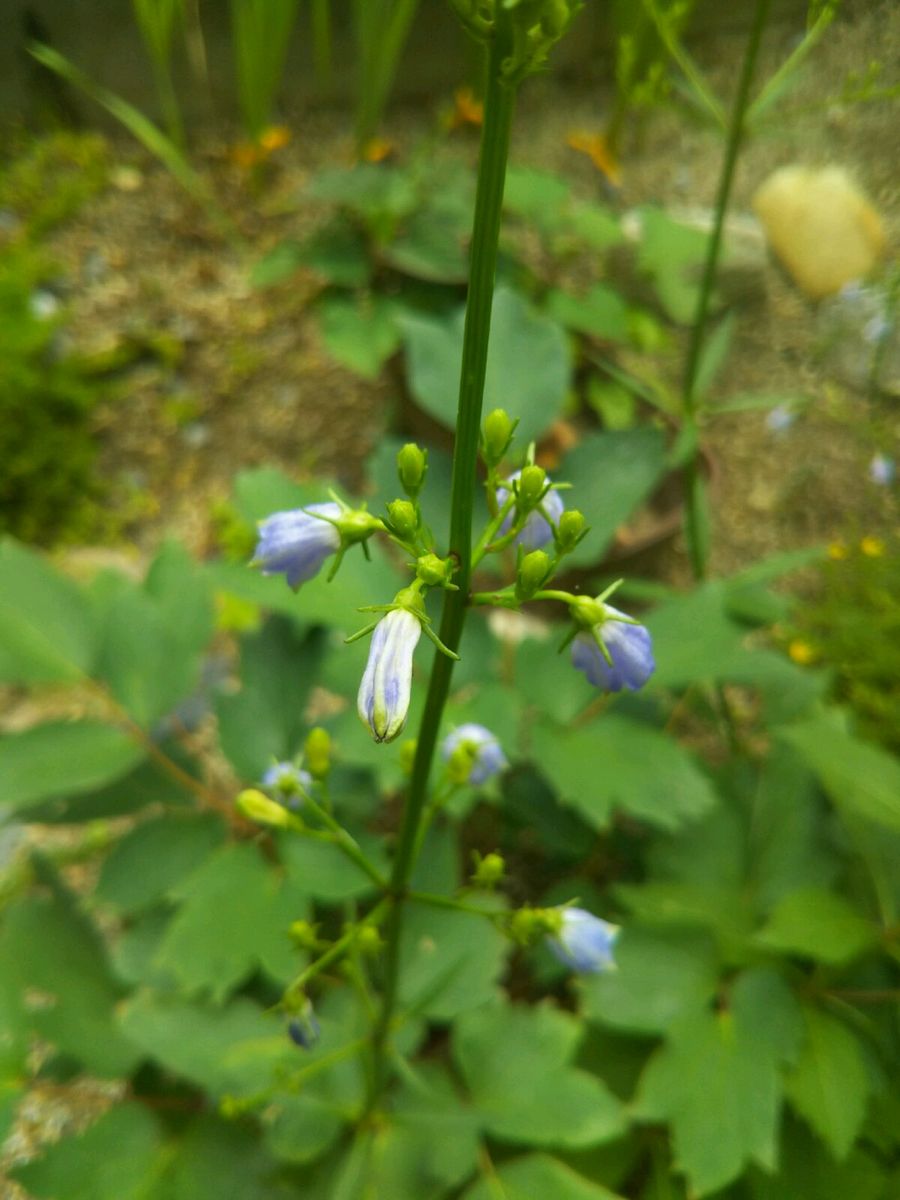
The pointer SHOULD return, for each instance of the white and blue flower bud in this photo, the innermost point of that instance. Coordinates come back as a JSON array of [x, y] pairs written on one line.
[[584, 942], [612, 651], [473, 754], [296, 543], [536, 532], [287, 782], [383, 700]]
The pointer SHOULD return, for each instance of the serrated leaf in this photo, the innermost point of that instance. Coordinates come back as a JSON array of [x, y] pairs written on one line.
[[516, 1064], [830, 1083], [622, 765], [537, 1177], [659, 979], [62, 758], [117, 1158], [717, 1081], [527, 367], [234, 917], [818, 925], [216, 1161], [805, 1169], [46, 628], [156, 855], [320, 870]]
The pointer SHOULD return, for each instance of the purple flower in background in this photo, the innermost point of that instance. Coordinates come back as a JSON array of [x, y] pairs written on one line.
[[383, 700], [584, 942], [629, 647], [487, 759], [882, 470], [296, 543], [536, 532]]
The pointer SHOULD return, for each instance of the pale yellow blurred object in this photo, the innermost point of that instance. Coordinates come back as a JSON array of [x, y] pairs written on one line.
[[820, 226]]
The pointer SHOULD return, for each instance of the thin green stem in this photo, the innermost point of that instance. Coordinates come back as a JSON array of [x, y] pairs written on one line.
[[695, 504], [345, 843], [498, 109]]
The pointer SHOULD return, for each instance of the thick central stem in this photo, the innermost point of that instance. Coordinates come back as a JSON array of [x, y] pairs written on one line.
[[498, 108]]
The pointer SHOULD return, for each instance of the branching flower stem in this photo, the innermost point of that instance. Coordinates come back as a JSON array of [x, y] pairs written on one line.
[[498, 108]]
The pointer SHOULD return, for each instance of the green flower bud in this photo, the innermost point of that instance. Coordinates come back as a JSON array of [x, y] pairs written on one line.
[[355, 525], [407, 756], [256, 806], [404, 518], [489, 871], [533, 571], [317, 752], [433, 570], [369, 940], [527, 925], [496, 436], [532, 482], [570, 528], [412, 465], [303, 934], [586, 612]]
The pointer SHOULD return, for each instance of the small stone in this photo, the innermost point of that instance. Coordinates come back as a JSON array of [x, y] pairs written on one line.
[[820, 226]]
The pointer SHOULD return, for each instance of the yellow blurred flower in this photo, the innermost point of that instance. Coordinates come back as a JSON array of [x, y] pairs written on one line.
[[274, 138], [596, 147], [837, 551], [802, 653], [376, 150], [872, 547], [246, 155]]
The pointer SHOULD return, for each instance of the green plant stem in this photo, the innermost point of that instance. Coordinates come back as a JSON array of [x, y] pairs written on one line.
[[695, 524], [344, 842], [498, 108]]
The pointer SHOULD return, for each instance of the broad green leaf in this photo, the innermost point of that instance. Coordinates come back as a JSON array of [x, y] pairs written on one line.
[[862, 780], [337, 252], [725, 911], [46, 629], [537, 196], [60, 759], [301, 1128], [360, 336], [262, 723], [717, 1081], [432, 242], [831, 1081], [595, 226], [181, 592], [818, 925], [322, 871], [602, 313], [618, 764], [530, 805], [149, 783], [672, 256], [156, 855], [232, 1050], [537, 1177], [806, 1169], [117, 1158], [611, 475], [234, 917], [372, 191], [516, 1063], [659, 978], [451, 961], [55, 967], [217, 1161], [527, 368]]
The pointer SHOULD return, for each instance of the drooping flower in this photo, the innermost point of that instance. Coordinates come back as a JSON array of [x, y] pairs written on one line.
[[383, 700], [882, 470], [584, 942], [629, 647], [536, 532], [303, 1027], [296, 543], [479, 751], [288, 782]]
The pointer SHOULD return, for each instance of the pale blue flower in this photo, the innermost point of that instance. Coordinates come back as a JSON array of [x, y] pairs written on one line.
[[629, 646], [882, 470], [487, 757], [383, 700], [781, 418], [288, 781], [536, 531], [584, 942], [296, 543]]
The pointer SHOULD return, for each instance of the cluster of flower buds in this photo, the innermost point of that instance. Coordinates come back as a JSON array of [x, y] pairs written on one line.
[[532, 28]]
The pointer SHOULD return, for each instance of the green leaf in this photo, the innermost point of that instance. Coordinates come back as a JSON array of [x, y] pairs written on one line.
[[537, 1177], [56, 969], [432, 243], [717, 1081], [360, 336], [62, 759], [805, 1169], [611, 475], [46, 628], [339, 253], [451, 961], [672, 255], [537, 196], [322, 872], [263, 722], [234, 918], [527, 368], [618, 764], [216, 1161], [818, 925], [147, 784], [831, 1081], [300, 1129], [597, 227], [117, 1158], [602, 313], [179, 588], [862, 780], [516, 1064], [156, 855], [659, 979]]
